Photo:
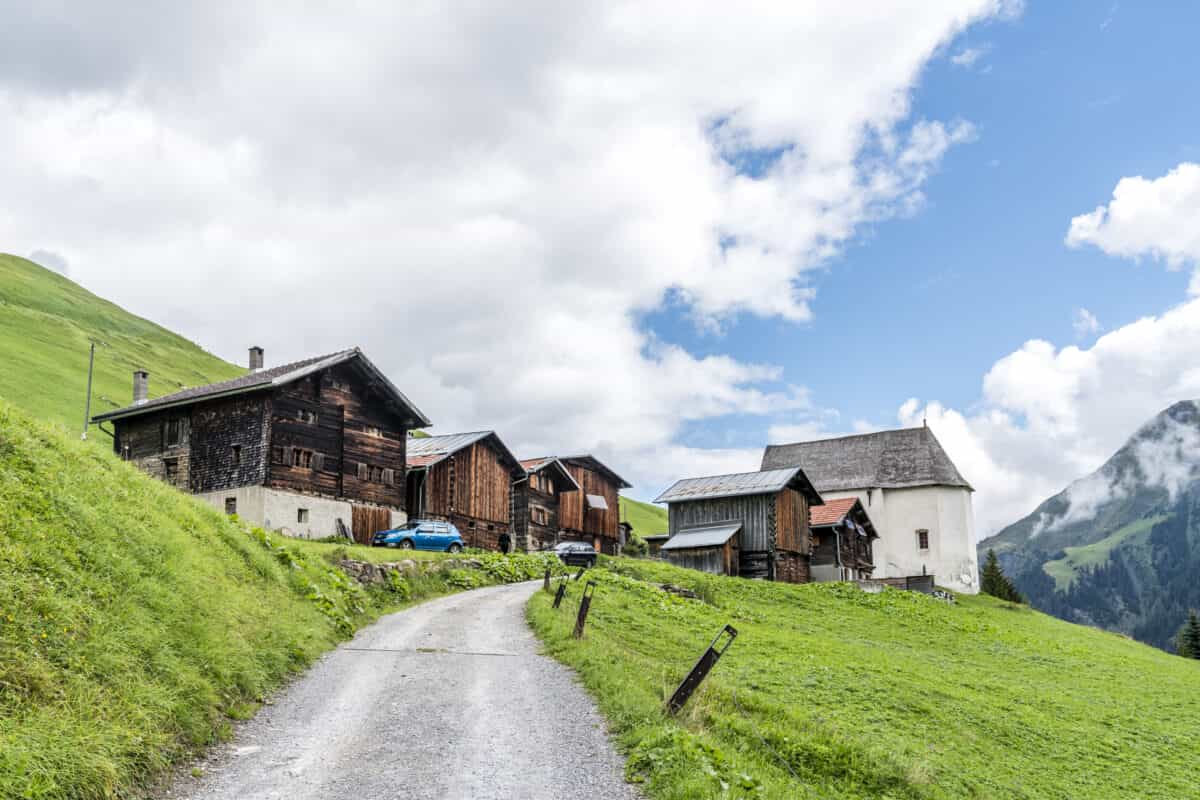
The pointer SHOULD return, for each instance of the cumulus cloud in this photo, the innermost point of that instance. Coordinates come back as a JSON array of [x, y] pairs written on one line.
[[967, 56], [487, 202], [1050, 415], [1157, 218], [1085, 323]]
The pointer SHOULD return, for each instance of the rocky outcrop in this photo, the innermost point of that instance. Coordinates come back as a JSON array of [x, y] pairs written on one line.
[[368, 573]]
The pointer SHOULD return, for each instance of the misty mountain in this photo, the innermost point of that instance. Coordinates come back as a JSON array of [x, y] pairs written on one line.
[[1119, 548]]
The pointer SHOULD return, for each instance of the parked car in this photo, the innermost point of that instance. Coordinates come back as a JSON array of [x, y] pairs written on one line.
[[576, 554], [421, 534]]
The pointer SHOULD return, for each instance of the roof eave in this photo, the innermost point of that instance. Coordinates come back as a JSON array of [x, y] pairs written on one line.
[[149, 408]]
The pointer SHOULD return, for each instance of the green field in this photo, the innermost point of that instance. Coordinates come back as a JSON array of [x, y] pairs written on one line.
[[46, 322], [830, 692], [647, 519], [1064, 570]]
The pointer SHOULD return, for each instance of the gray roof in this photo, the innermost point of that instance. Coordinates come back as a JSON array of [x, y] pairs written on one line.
[[742, 483], [533, 465], [707, 536], [886, 459], [425, 451], [266, 379]]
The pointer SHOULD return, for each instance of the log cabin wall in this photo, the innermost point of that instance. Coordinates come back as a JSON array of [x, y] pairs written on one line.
[[331, 435], [578, 522], [157, 444], [473, 489], [228, 443], [537, 512]]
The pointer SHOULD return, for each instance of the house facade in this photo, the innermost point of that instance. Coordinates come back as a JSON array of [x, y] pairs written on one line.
[[314, 448], [467, 479], [918, 501], [753, 524], [843, 540], [592, 514], [536, 503]]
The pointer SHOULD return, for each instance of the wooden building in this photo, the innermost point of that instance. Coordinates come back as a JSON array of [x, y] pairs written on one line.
[[467, 479], [843, 537], [314, 448], [536, 503], [654, 544], [592, 514], [764, 516]]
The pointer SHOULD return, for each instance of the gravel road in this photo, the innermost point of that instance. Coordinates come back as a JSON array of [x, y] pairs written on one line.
[[449, 699]]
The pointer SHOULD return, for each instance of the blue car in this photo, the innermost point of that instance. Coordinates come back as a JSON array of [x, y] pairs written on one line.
[[421, 534]]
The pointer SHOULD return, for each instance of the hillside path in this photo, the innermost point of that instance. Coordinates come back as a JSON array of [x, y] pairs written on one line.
[[448, 699]]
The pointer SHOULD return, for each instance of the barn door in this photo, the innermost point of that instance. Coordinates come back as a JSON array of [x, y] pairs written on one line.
[[369, 520]]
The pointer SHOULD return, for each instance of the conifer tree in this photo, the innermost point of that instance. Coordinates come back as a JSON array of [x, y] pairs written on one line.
[[993, 581], [1188, 640]]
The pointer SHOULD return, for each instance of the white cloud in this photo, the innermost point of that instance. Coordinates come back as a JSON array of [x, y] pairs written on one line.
[[484, 200], [1049, 416], [1159, 218], [1085, 323], [967, 56]]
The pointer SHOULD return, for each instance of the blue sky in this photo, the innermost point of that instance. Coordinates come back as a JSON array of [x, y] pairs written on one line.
[[1066, 98]]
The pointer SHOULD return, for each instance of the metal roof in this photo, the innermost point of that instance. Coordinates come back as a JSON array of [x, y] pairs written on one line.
[[708, 536], [265, 379], [886, 459], [739, 484], [429, 450]]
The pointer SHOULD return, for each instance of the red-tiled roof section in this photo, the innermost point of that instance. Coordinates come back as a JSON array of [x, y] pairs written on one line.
[[423, 461], [833, 512]]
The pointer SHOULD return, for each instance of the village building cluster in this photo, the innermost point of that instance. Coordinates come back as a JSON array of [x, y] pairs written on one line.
[[329, 446]]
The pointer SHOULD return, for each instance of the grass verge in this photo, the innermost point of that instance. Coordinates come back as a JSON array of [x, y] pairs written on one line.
[[832, 692]]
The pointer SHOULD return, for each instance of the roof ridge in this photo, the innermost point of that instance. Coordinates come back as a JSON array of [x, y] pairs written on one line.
[[851, 436]]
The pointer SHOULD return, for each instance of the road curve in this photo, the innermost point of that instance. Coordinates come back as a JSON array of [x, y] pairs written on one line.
[[448, 699]]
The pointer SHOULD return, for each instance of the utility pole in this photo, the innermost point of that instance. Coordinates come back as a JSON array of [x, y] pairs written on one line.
[[87, 405]]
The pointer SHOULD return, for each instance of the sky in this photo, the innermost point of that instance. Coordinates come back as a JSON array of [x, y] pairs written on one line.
[[667, 239]]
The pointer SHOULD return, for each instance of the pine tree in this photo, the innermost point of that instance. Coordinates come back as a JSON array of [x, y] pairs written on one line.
[[1188, 639], [993, 581]]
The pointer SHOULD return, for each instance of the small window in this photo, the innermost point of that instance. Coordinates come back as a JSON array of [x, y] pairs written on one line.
[[533, 482], [301, 515], [371, 430], [922, 539], [171, 469], [539, 515], [230, 505], [174, 432], [547, 486], [302, 458], [306, 416], [237, 455]]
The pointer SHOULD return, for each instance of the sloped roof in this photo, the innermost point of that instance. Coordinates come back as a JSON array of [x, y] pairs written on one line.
[[706, 536], [738, 484], [887, 459], [269, 378], [532, 465], [429, 450], [591, 462], [833, 512]]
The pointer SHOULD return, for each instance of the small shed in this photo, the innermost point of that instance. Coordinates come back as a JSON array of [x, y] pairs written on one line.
[[708, 548], [772, 508], [654, 543], [843, 536]]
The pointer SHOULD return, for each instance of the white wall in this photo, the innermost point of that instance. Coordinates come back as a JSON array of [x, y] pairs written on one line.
[[275, 509], [945, 511]]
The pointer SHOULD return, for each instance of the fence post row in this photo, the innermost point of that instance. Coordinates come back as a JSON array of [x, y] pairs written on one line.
[[584, 604], [703, 665], [562, 590]]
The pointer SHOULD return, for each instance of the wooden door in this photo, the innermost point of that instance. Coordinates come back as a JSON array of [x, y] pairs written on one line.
[[369, 520]]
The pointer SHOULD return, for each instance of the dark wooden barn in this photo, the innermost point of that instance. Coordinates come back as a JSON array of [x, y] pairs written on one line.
[[708, 548], [467, 479], [771, 509], [842, 541], [536, 503], [315, 447], [592, 514]]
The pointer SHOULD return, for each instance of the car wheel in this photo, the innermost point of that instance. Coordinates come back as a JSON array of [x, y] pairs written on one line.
[[456, 548], [407, 544]]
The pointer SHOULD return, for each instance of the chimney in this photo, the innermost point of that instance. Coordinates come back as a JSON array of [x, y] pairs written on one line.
[[141, 386], [256, 359]]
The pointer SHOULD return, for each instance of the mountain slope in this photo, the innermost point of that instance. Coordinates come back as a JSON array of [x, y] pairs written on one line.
[[46, 321], [831, 692], [1116, 547], [646, 519]]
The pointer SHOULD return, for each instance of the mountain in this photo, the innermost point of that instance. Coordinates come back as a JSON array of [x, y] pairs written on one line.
[[1119, 548], [645, 518], [46, 322]]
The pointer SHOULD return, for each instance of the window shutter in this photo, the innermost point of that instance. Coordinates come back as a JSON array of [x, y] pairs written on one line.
[[389, 477], [362, 472], [318, 461], [287, 456]]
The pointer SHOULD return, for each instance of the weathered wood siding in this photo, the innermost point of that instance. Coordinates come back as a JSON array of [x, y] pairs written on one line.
[[716, 560], [581, 523], [755, 512], [143, 441], [528, 534], [473, 483], [229, 443], [792, 532]]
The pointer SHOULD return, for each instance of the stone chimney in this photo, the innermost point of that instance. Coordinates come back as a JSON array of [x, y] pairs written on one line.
[[256, 359], [141, 386]]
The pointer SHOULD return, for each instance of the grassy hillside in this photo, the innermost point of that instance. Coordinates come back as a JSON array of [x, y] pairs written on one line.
[[830, 692], [135, 622], [45, 324], [647, 519], [1077, 559]]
